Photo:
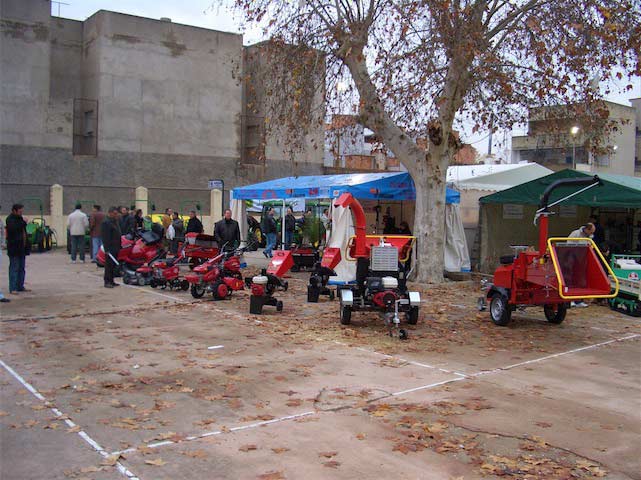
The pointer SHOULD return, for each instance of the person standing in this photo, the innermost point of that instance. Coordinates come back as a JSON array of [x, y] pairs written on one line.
[[17, 248], [77, 223], [110, 231], [2, 297], [95, 221], [599, 233], [290, 227], [271, 232], [227, 232], [194, 225], [179, 232], [139, 221], [127, 223]]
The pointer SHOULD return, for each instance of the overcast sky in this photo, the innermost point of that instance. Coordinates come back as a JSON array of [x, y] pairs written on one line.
[[201, 13]]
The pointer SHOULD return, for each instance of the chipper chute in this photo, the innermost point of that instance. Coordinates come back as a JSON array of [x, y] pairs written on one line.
[[563, 269]]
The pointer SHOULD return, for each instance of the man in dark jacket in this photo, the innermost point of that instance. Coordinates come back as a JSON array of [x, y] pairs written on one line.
[[227, 232], [179, 232], [18, 248], [270, 229], [194, 225], [127, 221], [110, 231], [290, 227]]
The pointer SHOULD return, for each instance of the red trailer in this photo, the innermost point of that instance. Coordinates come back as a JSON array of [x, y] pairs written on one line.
[[561, 270]]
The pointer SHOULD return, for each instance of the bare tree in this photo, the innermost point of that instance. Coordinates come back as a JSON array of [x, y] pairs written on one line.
[[418, 68]]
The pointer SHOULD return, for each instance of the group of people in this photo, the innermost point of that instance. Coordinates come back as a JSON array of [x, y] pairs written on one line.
[[308, 225], [175, 228]]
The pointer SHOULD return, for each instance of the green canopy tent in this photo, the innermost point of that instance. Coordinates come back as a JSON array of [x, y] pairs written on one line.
[[506, 217]]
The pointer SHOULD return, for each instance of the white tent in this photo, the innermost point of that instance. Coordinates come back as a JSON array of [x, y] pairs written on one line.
[[494, 177]]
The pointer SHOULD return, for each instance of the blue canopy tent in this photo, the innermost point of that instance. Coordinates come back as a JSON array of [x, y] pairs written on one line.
[[365, 186]]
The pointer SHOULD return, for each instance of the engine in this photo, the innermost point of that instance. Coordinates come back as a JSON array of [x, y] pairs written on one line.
[[383, 291]]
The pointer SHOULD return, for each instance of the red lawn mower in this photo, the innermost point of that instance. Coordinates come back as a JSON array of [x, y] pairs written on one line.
[[264, 286], [380, 275], [219, 275], [562, 270], [136, 250]]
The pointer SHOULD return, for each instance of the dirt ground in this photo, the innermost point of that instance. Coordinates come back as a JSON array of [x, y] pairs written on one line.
[[152, 384]]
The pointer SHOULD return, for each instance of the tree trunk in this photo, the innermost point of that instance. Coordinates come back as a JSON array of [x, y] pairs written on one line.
[[429, 216]]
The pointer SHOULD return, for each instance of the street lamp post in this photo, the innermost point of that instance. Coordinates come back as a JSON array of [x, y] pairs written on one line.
[[574, 130]]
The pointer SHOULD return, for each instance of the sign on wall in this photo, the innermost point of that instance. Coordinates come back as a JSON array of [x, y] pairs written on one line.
[[512, 211], [216, 184]]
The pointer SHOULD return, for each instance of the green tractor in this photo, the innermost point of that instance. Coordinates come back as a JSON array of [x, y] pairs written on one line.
[[627, 269], [40, 236]]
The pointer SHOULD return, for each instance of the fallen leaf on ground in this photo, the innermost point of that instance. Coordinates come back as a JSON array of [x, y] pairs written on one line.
[[110, 460], [158, 462], [3, 413], [271, 476], [327, 454], [247, 448], [75, 429], [332, 464], [360, 436], [196, 454], [280, 450]]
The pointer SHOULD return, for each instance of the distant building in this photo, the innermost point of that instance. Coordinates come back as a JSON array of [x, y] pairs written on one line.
[[119, 101], [558, 139]]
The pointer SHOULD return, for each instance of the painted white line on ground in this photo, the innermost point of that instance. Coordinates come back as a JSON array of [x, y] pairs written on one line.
[[215, 347], [153, 292], [400, 359], [554, 355], [95, 445], [431, 385], [218, 432]]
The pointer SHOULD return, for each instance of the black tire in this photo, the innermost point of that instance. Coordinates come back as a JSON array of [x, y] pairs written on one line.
[[184, 285], [613, 304], [295, 268], [345, 314], [412, 316], [285, 286], [215, 293], [402, 334], [154, 283], [332, 295], [500, 312], [555, 316], [197, 291], [279, 306], [141, 281]]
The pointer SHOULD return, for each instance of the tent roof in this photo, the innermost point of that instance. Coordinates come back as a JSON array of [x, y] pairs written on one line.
[[617, 191], [494, 177], [366, 186]]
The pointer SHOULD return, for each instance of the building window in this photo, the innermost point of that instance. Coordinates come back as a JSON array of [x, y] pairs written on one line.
[[85, 127]]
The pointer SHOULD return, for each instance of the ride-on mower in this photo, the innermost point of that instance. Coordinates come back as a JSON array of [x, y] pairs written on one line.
[[560, 271], [380, 277]]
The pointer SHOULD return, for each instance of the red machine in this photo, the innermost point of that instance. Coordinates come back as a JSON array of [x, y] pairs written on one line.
[[320, 277], [199, 248], [219, 275], [561, 270], [380, 276], [136, 251], [166, 273], [264, 285]]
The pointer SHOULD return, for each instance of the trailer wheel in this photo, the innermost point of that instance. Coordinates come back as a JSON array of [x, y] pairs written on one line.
[[499, 310], [346, 314], [197, 291], [412, 316], [279, 306], [557, 315]]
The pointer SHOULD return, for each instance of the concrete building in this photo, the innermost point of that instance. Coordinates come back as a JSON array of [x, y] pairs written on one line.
[[559, 139], [118, 101]]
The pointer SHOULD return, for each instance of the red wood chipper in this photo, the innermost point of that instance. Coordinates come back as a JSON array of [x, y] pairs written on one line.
[[560, 271], [380, 277]]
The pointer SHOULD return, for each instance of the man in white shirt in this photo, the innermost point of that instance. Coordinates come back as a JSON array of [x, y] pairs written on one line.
[[585, 231], [77, 223]]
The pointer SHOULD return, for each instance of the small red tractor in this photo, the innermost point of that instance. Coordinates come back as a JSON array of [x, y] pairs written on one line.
[[219, 275], [560, 271], [264, 286], [381, 276]]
